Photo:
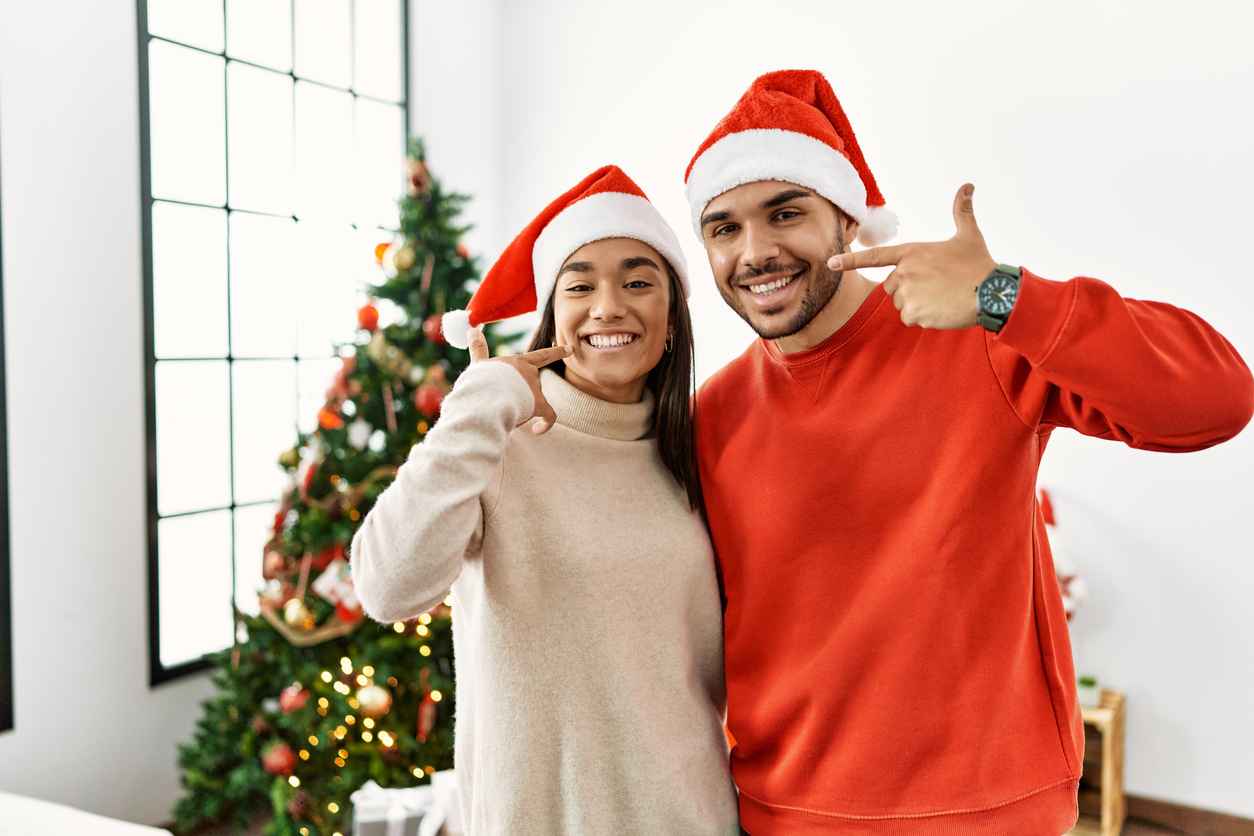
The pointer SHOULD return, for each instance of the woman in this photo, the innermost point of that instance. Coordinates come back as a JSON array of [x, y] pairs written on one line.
[[558, 499]]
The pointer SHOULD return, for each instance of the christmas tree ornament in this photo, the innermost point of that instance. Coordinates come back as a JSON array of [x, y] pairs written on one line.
[[299, 805], [368, 317], [260, 726], [419, 178], [293, 698], [426, 706], [405, 258], [359, 434], [462, 251], [433, 329], [379, 250], [273, 564], [375, 700], [297, 615], [289, 458], [428, 398], [417, 375], [278, 759], [329, 419]]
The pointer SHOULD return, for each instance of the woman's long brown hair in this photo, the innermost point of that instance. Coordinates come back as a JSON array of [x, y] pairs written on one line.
[[671, 382]]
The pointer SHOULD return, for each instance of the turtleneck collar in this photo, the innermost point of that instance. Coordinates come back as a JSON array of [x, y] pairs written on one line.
[[580, 411]]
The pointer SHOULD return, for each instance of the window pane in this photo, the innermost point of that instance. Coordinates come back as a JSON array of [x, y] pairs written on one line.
[[195, 22], [188, 281], [380, 161], [265, 426], [324, 152], [261, 139], [378, 69], [322, 41], [194, 585], [264, 292], [260, 31], [186, 113], [314, 378], [252, 532], [192, 442], [330, 297]]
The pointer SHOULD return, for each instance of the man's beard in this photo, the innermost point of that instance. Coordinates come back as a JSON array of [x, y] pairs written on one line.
[[823, 284]]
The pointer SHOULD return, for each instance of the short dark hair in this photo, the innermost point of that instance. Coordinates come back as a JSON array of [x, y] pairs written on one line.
[[671, 381]]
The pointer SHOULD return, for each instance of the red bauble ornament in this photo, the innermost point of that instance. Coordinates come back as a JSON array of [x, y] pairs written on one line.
[[323, 558], [293, 698], [368, 317], [278, 759], [329, 419], [273, 565], [349, 615], [299, 805], [433, 330], [428, 398]]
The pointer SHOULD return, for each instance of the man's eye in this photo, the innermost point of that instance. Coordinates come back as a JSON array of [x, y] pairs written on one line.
[[786, 214], [724, 229]]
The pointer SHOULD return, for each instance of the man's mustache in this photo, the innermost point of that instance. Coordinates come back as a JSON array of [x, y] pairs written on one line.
[[767, 269]]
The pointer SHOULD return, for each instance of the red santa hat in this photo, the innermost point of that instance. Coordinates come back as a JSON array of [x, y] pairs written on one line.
[[605, 204], [789, 126]]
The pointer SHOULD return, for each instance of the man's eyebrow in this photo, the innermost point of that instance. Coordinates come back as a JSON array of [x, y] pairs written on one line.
[[576, 266], [640, 261], [786, 197], [715, 216]]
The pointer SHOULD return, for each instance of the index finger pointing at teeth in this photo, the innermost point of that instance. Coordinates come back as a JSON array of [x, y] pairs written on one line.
[[545, 356]]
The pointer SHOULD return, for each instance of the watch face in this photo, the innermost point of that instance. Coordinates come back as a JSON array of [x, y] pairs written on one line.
[[997, 294]]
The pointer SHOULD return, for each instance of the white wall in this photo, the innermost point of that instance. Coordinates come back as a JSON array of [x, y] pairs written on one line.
[[455, 85], [89, 732], [1103, 138]]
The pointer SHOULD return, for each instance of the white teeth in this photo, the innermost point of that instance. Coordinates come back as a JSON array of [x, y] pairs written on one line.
[[771, 287], [610, 340]]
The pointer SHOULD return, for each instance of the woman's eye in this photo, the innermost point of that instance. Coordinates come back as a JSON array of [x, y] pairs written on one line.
[[639, 283], [578, 288]]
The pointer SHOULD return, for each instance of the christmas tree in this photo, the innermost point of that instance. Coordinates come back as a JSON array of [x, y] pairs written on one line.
[[313, 699]]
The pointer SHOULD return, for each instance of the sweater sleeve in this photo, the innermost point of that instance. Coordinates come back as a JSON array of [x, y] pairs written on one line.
[[1077, 354], [409, 549]]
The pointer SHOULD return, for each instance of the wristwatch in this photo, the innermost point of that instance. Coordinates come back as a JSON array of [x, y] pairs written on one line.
[[997, 295]]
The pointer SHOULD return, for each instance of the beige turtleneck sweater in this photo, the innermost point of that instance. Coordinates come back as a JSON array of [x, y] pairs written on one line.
[[586, 620]]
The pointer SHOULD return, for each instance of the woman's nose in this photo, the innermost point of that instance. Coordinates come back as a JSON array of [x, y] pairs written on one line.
[[608, 305]]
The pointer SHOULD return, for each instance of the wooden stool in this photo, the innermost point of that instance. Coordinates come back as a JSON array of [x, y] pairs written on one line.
[[1102, 806]]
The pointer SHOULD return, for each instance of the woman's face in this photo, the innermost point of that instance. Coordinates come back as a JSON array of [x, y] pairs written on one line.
[[611, 303]]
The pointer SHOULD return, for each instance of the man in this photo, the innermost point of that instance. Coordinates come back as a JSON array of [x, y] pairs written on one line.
[[897, 657]]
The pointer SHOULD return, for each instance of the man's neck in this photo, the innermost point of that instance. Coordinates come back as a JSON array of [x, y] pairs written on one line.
[[853, 291]]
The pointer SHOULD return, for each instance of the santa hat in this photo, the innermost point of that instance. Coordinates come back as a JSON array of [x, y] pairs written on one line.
[[605, 204], [789, 126]]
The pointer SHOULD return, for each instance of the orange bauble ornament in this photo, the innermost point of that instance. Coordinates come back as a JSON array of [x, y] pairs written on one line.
[[368, 317]]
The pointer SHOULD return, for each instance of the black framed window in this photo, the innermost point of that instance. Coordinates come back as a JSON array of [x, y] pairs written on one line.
[[6, 598], [273, 138]]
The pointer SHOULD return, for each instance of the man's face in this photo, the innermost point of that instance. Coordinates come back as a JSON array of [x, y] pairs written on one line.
[[768, 243]]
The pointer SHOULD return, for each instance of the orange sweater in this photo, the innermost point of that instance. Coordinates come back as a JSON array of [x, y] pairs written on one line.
[[897, 657]]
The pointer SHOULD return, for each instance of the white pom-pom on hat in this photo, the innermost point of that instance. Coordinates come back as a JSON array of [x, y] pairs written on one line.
[[879, 226], [455, 325]]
